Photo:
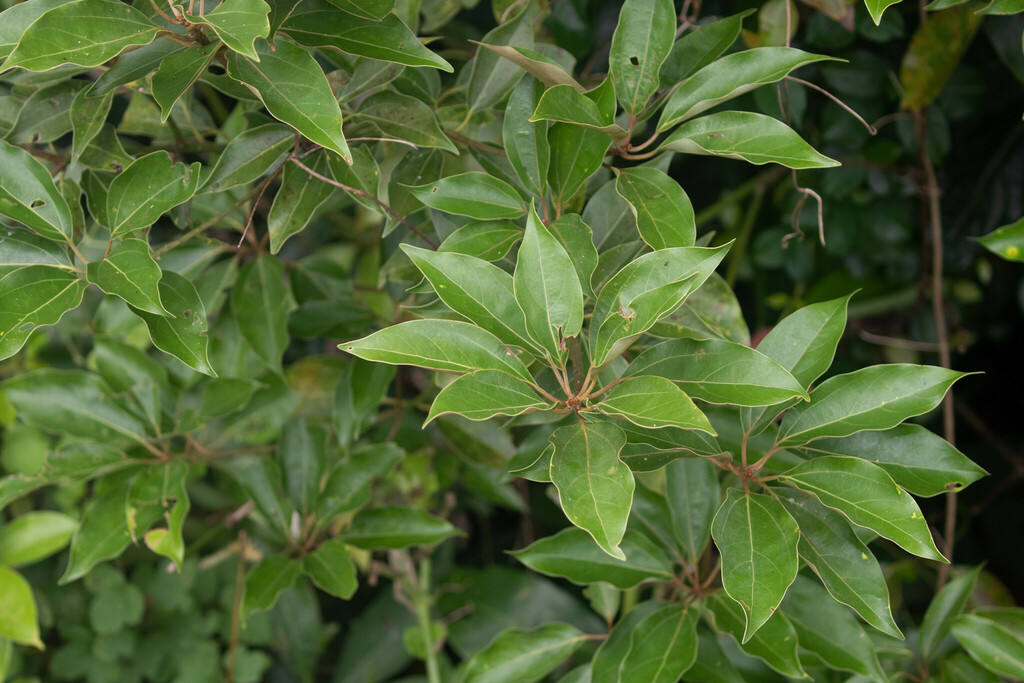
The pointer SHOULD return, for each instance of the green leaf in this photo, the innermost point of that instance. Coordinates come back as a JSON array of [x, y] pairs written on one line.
[[645, 290], [652, 449], [374, 10], [1007, 241], [331, 568], [33, 536], [238, 23], [805, 342], [718, 371], [577, 153], [262, 302], [847, 569], [775, 643], [76, 461], [28, 195], [179, 71], [387, 39], [34, 296], [934, 52], [183, 332], [134, 65], [293, 88], [700, 47], [642, 41], [918, 460], [149, 187], [758, 542], [88, 114], [565, 104], [995, 647], [869, 498], [19, 247], [298, 199], [747, 136], [664, 214], [693, 496], [482, 395], [45, 116], [16, 19], [161, 489], [874, 398], [595, 488], [18, 618], [405, 118], [102, 29], [577, 239], [573, 555], [523, 655], [712, 664], [266, 581], [526, 145], [473, 194], [439, 345], [943, 609], [249, 155], [541, 67], [486, 240], [547, 289], [397, 527], [658, 647], [348, 485], [653, 402], [491, 77], [358, 398], [731, 76], [130, 272], [959, 668], [302, 453]]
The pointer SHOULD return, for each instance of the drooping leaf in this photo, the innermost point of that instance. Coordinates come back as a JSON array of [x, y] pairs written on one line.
[[757, 538], [130, 272], [693, 496], [992, 645], [249, 155], [182, 333], [641, 43], [654, 402], [944, 608], [238, 23], [33, 536], [869, 498], [519, 655], [565, 104], [18, 619], [178, 72], [266, 581], [34, 296], [875, 398], [28, 195], [526, 145], [397, 527], [151, 186], [483, 394], [775, 643], [261, 302], [331, 568], [747, 136], [573, 554], [545, 69], [102, 29], [1007, 241], [664, 214], [292, 86], [652, 646]]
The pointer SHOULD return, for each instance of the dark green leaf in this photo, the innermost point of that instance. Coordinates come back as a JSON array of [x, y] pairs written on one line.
[[238, 23], [491, 77], [46, 115], [19, 17], [577, 153], [651, 449], [130, 272], [642, 41], [183, 334], [249, 155], [298, 199], [700, 47], [20, 247], [693, 496], [262, 302], [88, 114], [653, 402], [577, 239], [775, 643], [28, 195], [543, 68], [366, 9], [358, 398], [331, 568], [179, 72], [397, 527], [657, 648], [483, 394], [226, 395], [944, 608], [302, 452], [527, 656], [266, 581], [134, 65], [405, 118], [664, 214], [34, 296], [526, 145], [151, 186]]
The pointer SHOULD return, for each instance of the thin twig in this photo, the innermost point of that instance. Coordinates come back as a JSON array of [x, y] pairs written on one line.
[[256, 203], [896, 343], [826, 93]]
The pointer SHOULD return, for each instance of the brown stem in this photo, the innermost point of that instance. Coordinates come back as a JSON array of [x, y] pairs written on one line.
[[256, 203], [475, 144], [236, 611], [606, 387], [826, 93]]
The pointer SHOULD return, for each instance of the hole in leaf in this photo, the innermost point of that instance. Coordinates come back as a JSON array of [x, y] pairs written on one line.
[[37, 203], [26, 327], [634, 60]]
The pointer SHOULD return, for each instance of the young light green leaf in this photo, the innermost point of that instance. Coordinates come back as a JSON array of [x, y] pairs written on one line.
[[130, 272], [88, 114], [149, 187], [874, 398], [182, 333], [731, 76], [101, 30], [718, 371], [758, 541], [564, 104], [331, 568], [877, 7], [642, 41], [547, 288], [573, 555], [249, 155], [747, 136], [943, 609], [439, 345], [652, 647], [387, 39], [28, 195], [298, 199], [238, 23], [262, 302], [693, 496], [32, 536], [486, 240], [700, 47], [34, 296], [1007, 241], [294, 89], [992, 645], [18, 619], [477, 195], [527, 145], [178, 72], [397, 527], [918, 460], [653, 402], [523, 655], [844, 564], [483, 394], [266, 581], [594, 487], [492, 77], [664, 214], [775, 643], [869, 498], [405, 118]]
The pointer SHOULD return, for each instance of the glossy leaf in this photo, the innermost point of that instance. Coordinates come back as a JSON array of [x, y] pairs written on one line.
[[653, 402], [439, 345], [642, 41], [844, 564], [18, 618], [331, 568], [15, 20], [775, 643], [28, 195], [565, 104], [747, 136], [520, 655], [547, 289], [473, 194], [238, 23], [33, 536], [934, 52], [718, 371], [34, 296], [397, 527], [804, 342], [183, 333], [526, 145], [990, 644], [102, 29], [658, 647], [758, 542], [178, 72], [130, 272], [876, 397], [266, 581], [869, 497], [1007, 241], [249, 155], [664, 214], [577, 153], [731, 76], [151, 186], [295, 91], [573, 555], [261, 303], [483, 394], [693, 496], [944, 608]]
